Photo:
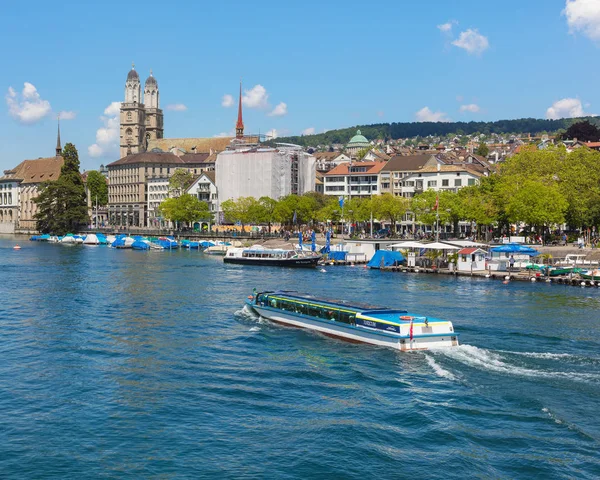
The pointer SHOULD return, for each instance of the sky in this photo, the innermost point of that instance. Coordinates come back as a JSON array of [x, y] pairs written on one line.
[[306, 67]]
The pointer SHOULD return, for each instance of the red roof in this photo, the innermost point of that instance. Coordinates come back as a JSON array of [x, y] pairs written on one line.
[[592, 144], [342, 168], [469, 250]]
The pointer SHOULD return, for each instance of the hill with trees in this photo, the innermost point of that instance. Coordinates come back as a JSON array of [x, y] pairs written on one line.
[[388, 131]]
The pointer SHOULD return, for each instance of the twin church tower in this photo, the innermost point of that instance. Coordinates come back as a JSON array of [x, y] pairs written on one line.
[[140, 120]]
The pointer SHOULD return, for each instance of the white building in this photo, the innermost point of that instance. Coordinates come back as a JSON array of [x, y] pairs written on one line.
[[205, 189], [259, 172], [439, 177], [9, 204], [158, 191], [354, 179]]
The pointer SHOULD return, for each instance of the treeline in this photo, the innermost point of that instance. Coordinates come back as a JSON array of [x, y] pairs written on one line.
[[388, 131]]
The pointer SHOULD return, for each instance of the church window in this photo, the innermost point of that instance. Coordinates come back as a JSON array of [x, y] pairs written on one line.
[[129, 116], [129, 135]]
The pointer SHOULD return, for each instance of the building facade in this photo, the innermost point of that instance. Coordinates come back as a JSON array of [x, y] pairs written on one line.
[[140, 122], [359, 179], [399, 167]]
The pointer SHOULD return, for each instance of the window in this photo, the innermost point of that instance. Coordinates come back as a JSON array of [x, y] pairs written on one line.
[[445, 183], [432, 183], [471, 182], [457, 182]]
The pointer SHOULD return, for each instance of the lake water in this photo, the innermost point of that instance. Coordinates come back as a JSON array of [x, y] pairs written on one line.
[[129, 364]]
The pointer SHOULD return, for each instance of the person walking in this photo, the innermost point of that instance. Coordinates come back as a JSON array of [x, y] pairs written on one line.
[[511, 262]]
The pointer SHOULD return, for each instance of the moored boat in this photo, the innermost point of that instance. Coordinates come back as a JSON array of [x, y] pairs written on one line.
[[258, 255], [590, 274], [398, 329]]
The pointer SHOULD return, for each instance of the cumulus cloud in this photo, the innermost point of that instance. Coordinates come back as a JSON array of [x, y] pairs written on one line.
[[256, 97], [107, 136], [67, 115], [583, 16], [426, 115], [472, 42], [308, 131], [279, 111], [471, 107], [227, 101], [176, 107], [566, 108], [27, 107], [271, 134]]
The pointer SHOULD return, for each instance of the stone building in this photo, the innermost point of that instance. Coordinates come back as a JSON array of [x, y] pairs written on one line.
[[19, 187], [357, 143], [140, 122]]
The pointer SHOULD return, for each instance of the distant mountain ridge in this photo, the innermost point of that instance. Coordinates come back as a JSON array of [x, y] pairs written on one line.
[[395, 130]]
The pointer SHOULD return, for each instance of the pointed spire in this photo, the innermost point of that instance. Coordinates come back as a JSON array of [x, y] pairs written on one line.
[[239, 126], [58, 147]]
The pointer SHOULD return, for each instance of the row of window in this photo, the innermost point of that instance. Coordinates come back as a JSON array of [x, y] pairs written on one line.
[[6, 186], [324, 312], [6, 199]]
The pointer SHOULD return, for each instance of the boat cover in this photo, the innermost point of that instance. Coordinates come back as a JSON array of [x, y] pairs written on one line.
[[385, 258]]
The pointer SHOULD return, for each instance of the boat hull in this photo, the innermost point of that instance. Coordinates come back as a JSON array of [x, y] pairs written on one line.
[[356, 334], [309, 262]]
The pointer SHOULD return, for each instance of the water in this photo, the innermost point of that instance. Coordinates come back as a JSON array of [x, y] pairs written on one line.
[[143, 365]]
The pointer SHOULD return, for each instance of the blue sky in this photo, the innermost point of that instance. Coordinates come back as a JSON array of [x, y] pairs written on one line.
[[331, 64]]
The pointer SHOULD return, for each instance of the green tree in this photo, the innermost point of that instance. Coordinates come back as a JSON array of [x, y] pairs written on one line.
[[482, 150], [62, 204], [98, 187], [242, 210], [583, 131], [390, 207], [267, 207], [185, 209], [180, 181]]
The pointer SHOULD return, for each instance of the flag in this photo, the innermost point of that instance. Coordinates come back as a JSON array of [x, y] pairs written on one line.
[[313, 246], [327, 242], [410, 332], [341, 200], [300, 240], [437, 202], [295, 217]]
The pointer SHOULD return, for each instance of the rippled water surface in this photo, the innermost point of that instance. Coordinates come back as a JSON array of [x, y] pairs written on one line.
[[143, 365]]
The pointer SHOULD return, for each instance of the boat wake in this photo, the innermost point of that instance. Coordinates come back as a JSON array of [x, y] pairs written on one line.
[[438, 369], [497, 362]]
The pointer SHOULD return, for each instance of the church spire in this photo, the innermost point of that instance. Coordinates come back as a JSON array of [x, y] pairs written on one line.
[[58, 147], [239, 126]]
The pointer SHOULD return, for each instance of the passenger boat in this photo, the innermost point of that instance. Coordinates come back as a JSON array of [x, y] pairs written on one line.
[[357, 323], [258, 255]]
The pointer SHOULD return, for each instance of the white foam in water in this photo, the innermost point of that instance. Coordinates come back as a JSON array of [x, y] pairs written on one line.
[[255, 329], [546, 355], [488, 360], [551, 415], [439, 371]]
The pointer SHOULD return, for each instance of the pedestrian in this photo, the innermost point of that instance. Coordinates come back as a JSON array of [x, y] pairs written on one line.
[[511, 262]]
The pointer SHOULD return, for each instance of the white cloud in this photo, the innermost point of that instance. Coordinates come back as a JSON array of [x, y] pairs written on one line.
[[107, 136], [28, 107], [279, 111], [447, 27], [176, 107], [256, 97], [566, 108], [231, 133], [583, 16], [308, 131], [426, 115], [227, 101], [472, 41], [271, 134], [67, 115], [471, 107]]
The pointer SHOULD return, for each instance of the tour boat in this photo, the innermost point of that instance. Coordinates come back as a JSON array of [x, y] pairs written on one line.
[[357, 323], [258, 255]]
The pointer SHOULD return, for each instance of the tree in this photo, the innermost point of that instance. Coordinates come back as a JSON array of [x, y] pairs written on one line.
[[241, 210], [583, 131], [62, 204], [186, 208], [362, 153], [482, 150], [389, 207], [98, 188], [180, 181], [267, 207]]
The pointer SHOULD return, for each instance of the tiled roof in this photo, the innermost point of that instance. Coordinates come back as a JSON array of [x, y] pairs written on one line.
[[160, 158], [407, 162], [210, 174], [40, 170], [592, 144], [204, 145], [343, 168], [326, 155]]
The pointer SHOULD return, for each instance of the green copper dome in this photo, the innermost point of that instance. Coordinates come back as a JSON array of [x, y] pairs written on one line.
[[358, 141]]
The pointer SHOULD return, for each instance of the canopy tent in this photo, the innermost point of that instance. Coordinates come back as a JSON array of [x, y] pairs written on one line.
[[385, 258], [407, 245], [438, 246], [466, 243], [515, 248]]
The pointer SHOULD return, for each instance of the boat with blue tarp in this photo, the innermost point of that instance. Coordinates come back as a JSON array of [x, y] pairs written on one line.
[[354, 322]]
